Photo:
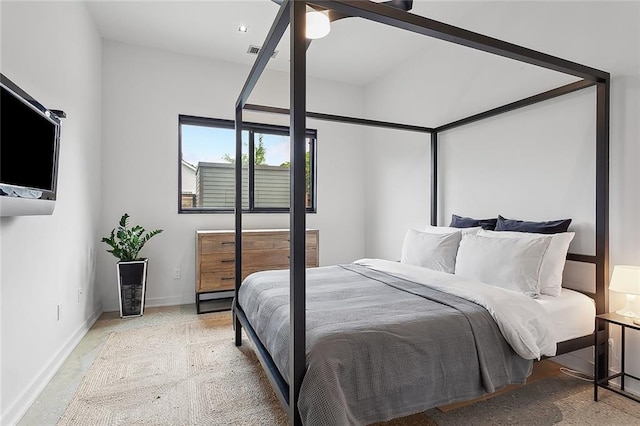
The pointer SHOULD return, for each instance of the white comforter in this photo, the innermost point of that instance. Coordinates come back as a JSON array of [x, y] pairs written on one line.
[[522, 321]]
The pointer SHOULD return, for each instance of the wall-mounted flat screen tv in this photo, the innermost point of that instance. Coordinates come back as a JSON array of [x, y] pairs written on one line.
[[29, 144]]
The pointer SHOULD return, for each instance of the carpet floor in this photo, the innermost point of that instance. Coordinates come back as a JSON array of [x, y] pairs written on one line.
[[187, 371], [175, 374]]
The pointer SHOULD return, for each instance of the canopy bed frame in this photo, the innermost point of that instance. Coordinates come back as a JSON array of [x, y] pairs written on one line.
[[292, 14]]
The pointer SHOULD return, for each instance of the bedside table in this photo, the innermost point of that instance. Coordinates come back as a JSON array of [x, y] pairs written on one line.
[[624, 323]]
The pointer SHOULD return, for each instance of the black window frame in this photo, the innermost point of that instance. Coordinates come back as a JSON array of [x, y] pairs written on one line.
[[253, 128]]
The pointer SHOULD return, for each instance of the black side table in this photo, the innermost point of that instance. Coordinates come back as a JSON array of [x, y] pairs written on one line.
[[603, 382]]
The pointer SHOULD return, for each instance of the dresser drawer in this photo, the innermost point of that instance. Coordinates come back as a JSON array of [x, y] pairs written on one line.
[[267, 259], [217, 243], [225, 243], [254, 260], [260, 240], [216, 281], [217, 262], [283, 240]]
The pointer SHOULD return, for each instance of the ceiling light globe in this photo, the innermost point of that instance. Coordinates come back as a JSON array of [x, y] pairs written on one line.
[[318, 25]]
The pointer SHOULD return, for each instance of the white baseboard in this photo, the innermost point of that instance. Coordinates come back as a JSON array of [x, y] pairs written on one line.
[[14, 413], [166, 301], [153, 302]]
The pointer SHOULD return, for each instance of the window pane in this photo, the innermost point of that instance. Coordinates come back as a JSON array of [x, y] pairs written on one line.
[[271, 171], [308, 174], [208, 172]]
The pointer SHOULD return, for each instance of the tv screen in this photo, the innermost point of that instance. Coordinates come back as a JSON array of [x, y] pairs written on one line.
[[28, 145]]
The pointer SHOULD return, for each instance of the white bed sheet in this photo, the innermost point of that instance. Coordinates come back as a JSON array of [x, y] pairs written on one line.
[[572, 314]]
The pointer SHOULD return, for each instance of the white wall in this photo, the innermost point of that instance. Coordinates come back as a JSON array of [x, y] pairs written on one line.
[[535, 163], [144, 90], [52, 51]]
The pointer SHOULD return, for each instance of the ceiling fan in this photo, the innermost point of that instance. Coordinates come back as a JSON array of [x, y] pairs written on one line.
[[318, 24]]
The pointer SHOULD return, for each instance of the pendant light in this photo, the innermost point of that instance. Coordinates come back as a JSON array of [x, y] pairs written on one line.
[[318, 25]]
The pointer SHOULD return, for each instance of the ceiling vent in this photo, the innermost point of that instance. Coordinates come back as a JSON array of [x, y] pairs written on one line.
[[254, 50]]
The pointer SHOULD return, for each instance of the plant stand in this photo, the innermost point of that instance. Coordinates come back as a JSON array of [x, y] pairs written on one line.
[[132, 283]]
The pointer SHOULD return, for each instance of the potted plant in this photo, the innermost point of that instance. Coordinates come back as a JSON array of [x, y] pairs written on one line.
[[126, 243]]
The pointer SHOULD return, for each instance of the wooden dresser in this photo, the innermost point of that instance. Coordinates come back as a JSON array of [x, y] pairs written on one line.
[[262, 250]]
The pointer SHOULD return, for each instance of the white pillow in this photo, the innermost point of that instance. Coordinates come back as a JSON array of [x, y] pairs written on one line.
[[553, 261], [433, 251], [510, 263], [449, 229]]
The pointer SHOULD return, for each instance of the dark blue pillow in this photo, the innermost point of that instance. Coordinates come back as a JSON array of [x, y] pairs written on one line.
[[548, 227], [467, 222]]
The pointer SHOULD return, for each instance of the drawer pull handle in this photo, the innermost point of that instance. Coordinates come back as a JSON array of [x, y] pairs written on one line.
[[228, 243], [228, 260], [227, 278]]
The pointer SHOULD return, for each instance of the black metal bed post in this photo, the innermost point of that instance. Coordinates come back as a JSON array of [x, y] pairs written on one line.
[[602, 192], [238, 218], [341, 119], [603, 95], [540, 97], [434, 178], [278, 28], [297, 284]]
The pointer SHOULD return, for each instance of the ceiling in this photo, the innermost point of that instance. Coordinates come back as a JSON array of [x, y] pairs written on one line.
[[356, 51]]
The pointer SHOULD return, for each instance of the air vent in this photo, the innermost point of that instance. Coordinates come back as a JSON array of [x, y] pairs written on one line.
[[254, 50]]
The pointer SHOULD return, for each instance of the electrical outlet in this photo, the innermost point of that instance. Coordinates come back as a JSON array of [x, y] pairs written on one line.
[[176, 273]]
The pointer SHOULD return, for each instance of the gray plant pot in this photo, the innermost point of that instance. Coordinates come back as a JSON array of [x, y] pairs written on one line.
[[132, 283]]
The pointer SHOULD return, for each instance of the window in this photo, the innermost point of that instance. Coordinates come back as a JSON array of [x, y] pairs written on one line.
[[207, 166]]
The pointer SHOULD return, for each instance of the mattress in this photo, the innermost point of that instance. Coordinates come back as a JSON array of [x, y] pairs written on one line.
[[572, 314]]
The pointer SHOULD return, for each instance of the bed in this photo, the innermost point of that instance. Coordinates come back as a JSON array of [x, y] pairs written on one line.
[[386, 339], [456, 318], [286, 367]]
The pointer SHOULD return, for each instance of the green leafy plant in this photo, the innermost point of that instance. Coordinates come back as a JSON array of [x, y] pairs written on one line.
[[126, 242]]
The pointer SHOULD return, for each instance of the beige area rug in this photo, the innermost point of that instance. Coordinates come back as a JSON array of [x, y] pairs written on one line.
[[192, 374], [175, 374]]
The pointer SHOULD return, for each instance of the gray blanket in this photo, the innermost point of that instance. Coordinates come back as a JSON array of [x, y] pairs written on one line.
[[380, 347]]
